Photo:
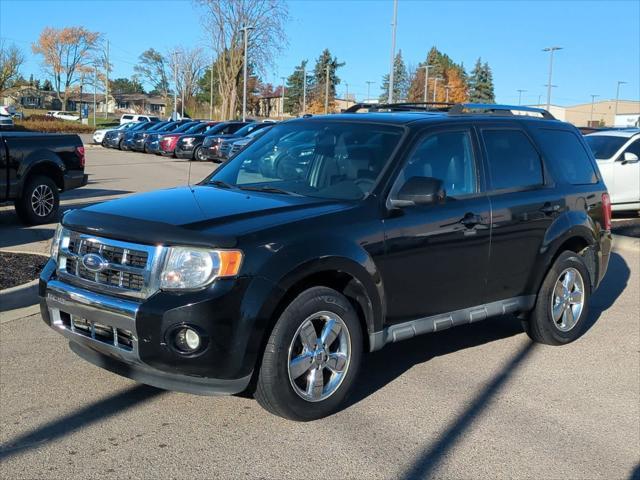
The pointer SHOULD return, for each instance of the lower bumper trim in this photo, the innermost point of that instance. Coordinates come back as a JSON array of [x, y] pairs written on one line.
[[159, 379]]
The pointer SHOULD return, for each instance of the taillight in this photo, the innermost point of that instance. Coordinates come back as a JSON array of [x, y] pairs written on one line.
[[80, 153], [606, 211]]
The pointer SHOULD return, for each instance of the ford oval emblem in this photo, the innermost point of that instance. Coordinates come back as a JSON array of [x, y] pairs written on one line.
[[93, 262]]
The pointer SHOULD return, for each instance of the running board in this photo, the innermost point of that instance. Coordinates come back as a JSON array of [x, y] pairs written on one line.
[[403, 331]]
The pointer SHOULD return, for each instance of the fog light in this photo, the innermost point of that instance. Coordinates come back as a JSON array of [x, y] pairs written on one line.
[[187, 340]]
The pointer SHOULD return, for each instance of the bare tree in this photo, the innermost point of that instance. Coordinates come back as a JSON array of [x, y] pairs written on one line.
[[66, 53], [11, 59], [190, 64], [224, 20], [154, 69]]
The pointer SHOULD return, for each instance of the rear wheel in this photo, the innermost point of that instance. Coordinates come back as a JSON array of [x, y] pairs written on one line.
[[39, 202], [120, 144], [562, 306], [312, 356]]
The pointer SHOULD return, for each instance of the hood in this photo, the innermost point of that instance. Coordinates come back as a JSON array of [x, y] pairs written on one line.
[[199, 215]]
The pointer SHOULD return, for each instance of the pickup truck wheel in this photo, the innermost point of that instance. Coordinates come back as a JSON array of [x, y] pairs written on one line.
[[39, 201], [312, 356], [562, 307]]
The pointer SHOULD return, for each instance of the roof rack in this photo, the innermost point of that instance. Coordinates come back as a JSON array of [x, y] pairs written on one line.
[[450, 108]]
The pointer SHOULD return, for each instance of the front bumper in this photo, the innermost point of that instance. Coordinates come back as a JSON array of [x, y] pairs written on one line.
[[185, 153], [128, 337], [137, 144], [212, 153]]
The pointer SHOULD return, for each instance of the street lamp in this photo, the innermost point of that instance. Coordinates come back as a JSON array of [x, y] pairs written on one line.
[[369, 82], [304, 88], [593, 98], [426, 80], [446, 89], [435, 87], [245, 30], [549, 85], [520, 95], [620, 82], [282, 101], [326, 90], [394, 26]]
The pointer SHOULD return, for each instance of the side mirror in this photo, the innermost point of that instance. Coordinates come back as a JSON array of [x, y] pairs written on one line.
[[419, 191], [630, 157]]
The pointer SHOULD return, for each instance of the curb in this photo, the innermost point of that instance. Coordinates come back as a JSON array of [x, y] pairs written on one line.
[[626, 244], [21, 300]]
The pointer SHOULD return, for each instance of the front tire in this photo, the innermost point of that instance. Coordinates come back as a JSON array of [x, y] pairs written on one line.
[[562, 306], [312, 356], [39, 202], [198, 154]]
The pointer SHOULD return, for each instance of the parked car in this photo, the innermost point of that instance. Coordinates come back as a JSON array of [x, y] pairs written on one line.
[[189, 145], [168, 140], [138, 138], [152, 142], [34, 168], [238, 144], [69, 116], [6, 122], [115, 138], [211, 143], [98, 135], [227, 141], [127, 141], [401, 224], [618, 153], [129, 117]]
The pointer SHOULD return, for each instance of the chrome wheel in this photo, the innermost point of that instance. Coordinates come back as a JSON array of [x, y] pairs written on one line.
[[567, 299], [319, 356], [42, 200]]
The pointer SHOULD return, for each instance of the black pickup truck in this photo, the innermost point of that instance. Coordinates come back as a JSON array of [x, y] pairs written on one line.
[[34, 168]]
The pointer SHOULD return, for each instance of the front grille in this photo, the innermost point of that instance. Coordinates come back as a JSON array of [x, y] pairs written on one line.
[[124, 268], [225, 148], [235, 149], [118, 337]]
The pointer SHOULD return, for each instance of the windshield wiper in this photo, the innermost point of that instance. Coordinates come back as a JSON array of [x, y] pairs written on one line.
[[219, 183], [265, 189]]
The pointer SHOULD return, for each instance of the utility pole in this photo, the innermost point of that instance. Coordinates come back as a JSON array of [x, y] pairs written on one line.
[[426, 81], [435, 87], [446, 89], [346, 96], [620, 82], [520, 96], [539, 99], [326, 91], [394, 26], [368, 82], [304, 89], [549, 85], [211, 89], [593, 99], [106, 89], [282, 101], [95, 83], [246, 29], [175, 83]]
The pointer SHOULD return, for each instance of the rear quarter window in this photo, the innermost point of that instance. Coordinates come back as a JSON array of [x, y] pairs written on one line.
[[568, 159]]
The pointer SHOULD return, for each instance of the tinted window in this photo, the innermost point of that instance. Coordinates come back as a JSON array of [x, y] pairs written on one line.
[[127, 117], [513, 162], [447, 156], [565, 152], [604, 146], [233, 127], [634, 148]]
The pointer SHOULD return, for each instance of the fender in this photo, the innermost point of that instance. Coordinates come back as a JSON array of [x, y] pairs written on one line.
[[33, 159]]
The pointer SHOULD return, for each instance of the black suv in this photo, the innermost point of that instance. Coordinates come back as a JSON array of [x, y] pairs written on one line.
[[397, 222]]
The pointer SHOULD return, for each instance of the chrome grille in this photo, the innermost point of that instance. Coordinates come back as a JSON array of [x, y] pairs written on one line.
[[118, 337], [125, 270], [235, 148]]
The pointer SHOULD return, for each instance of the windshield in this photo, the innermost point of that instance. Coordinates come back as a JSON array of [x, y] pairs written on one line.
[[604, 146], [217, 128], [185, 127], [158, 126], [313, 158], [247, 129]]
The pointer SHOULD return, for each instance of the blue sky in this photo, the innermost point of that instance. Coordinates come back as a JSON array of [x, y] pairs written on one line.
[[601, 39]]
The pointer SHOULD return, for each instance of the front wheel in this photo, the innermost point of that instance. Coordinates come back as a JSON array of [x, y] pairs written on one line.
[[562, 306], [199, 154], [312, 356]]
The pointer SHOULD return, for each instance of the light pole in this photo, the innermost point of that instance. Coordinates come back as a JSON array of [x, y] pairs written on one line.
[[175, 83], [304, 89], [245, 30], [326, 90], [549, 85], [95, 83], [426, 81], [346, 95], [520, 96], [539, 99], [369, 82], [282, 100], [620, 82], [593, 99], [394, 26], [446, 89], [435, 87], [211, 89]]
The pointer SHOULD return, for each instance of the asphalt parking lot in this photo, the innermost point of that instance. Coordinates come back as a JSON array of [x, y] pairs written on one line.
[[479, 401]]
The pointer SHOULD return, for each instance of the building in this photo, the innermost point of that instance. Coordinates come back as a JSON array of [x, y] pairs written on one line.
[[603, 113]]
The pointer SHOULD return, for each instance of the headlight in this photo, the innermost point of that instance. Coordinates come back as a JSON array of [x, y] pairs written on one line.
[[188, 140], [55, 242], [192, 268]]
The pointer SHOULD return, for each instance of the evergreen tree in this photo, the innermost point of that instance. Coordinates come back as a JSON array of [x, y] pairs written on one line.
[[447, 72], [294, 93], [481, 84], [400, 81], [317, 96], [46, 86]]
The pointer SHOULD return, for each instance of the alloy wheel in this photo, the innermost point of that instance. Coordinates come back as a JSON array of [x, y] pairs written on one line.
[[567, 299], [42, 200]]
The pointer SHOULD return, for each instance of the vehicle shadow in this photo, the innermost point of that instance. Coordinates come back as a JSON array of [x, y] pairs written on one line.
[[612, 286], [95, 412]]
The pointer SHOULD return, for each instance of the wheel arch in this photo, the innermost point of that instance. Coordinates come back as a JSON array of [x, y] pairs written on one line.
[[41, 163]]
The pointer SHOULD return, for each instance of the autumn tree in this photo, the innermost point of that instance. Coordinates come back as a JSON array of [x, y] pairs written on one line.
[[481, 83], [447, 72], [224, 20], [11, 59], [66, 53], [400, 81], [153, 68]]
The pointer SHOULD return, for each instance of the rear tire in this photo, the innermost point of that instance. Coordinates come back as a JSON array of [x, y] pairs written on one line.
[[312, 357], [562, 306], [39, 202]]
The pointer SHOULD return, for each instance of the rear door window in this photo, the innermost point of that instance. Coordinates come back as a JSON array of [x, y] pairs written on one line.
[[567, 157], [513, 161]]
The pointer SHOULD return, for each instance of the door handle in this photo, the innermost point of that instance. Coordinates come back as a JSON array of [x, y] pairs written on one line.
[[549, 209], [470, 220]]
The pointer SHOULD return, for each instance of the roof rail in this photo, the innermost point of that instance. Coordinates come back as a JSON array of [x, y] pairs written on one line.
[[462, 108], [450, 108]]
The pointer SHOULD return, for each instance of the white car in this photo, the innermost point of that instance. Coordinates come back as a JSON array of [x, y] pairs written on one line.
[[130, 117], [618, 155], [72, 116], [98, 135]]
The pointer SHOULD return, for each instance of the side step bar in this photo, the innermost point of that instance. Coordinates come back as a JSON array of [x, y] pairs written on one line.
[[403, 331]]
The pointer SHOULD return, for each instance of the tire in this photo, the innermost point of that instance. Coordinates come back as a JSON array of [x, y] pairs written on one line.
[[198, 155], [545, 326], [39, 202], [120, 144], [283, 387]]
